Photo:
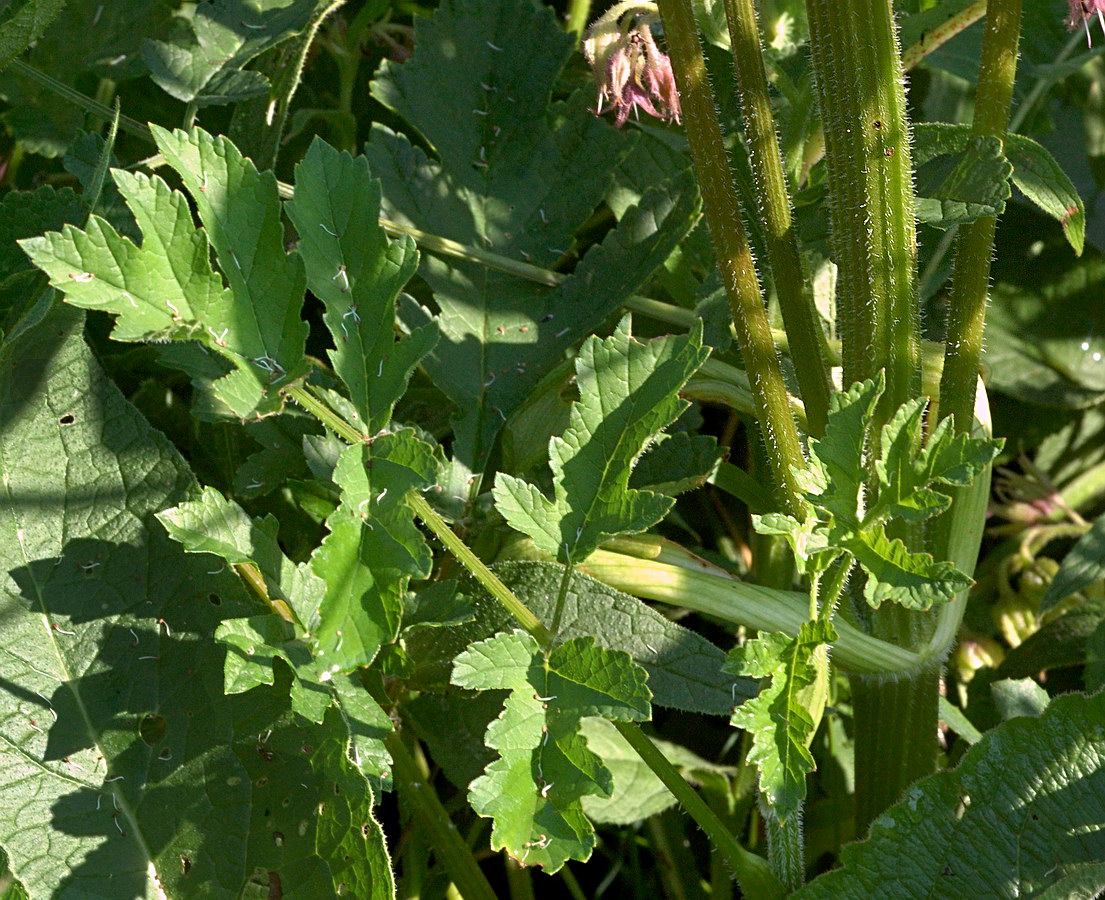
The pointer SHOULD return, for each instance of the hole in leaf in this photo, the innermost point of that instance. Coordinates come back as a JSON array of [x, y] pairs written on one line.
[[152, 729], [166, 754], [278, 838], [215, 599], [185, 865], [67, 419]]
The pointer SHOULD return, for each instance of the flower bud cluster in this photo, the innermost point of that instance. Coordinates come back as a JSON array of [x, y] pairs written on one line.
[[631, 71]]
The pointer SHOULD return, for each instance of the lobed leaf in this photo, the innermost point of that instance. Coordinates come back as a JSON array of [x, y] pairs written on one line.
[[628, 393], [357, 273], [477, 90], [206, 67], [533, 790], [782, 719], [113, 709]]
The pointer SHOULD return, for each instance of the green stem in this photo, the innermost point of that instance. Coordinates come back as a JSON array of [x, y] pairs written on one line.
[[895, 739], [719, 197], [871, 202], [971, 281], [434, 522], [101, 110], [579, 12], [786, 848], [713, 592], [752, 872], [478, 569], [449, 846], [800, 317]]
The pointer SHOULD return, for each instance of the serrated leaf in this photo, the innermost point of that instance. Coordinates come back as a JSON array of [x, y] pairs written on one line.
[[906, 470], [477, 90], [215, 525], [1042, 180], [357, 273], [205, 67], [679, 462], [120, 750], [628, 393], [1082, 566], [912, 579], [1033, 170], [1019, 817], [532, 792], [783, 718], [961, 187], [20, 31], [373, 549], [240, 210], [166, 288]]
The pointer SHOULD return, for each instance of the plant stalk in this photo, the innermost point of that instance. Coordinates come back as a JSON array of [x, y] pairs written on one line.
[[971, 281], [753, 873], [800, 317], [449, 847], [734, 256], [861, 96]]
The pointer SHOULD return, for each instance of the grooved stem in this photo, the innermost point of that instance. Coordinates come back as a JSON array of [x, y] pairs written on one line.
[[871, 205], [800, 318], [971, 281], [734, 256]]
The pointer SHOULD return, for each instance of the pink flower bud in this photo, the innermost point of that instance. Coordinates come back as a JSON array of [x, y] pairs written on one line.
[[631, 72]]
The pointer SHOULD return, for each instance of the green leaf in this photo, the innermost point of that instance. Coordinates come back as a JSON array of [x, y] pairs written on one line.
[[783, 718], [1082, 566], [1023, 697], [960, 187], [205, 67], [21, 30], [477, 91], [1040, 178], [912, 579], [372, 550], [905, 472], [1045, 342], [357, 273], [677, 463], [1020, 816], [638, 794], [120, 750], [166, 288], [628, 393], [240, 210], [1033, 169], [212, 524], [532, 792]]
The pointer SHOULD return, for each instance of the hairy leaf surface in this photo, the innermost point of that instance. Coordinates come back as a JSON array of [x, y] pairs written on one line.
[[1019, 817], [113, 710], [357, 273]]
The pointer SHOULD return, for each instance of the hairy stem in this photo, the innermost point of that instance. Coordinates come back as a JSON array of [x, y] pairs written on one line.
[[449, 847], [753, 873], [971, 281], [734, 256], [800, 317], [871, 203]]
